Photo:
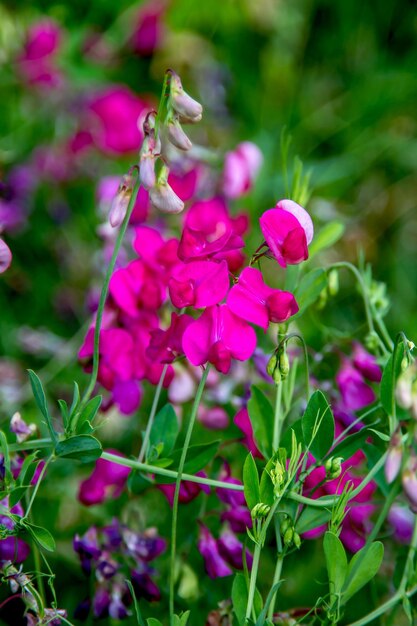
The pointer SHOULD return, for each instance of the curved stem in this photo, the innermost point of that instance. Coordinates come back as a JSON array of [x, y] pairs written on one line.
[[177, 490], [36, 487], [306, 360], [277, 418], [152, 414], [103, 296]]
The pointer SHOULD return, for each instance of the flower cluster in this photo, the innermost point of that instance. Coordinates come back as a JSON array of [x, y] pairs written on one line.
[[111, 554]]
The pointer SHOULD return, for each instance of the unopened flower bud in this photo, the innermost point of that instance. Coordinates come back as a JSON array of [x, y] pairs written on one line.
[[288, 536], [177, 136], [272, 364], [333, 467], [277, 376], [147, 170], [260, 510], [333, 282], [121, 201], [296, 540], [163, 197], [410, 345], [322, 300], [394, 459], [284, 364], [372, 341], [278, 476], [187, 108]]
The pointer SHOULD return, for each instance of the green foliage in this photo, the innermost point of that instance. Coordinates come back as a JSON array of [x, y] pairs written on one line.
[[83, 448], [261, 416], [318, 425], [309, 289], [165, 429], [251, 482]]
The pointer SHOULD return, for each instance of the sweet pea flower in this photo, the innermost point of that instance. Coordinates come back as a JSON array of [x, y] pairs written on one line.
[[166, 345], [112, 119], [210, 232], [231, 550], [188, 490], [12, 548], [256, 302], [106, 481], [5, 256], [198, 284], [355, 392], [137, 287], [288, 230], [184, 183], [366, 363], [242, 421], [240, 169], [213, 418], [402, 522], [37, 61], [148, 31], [218, 336], [215, 565]]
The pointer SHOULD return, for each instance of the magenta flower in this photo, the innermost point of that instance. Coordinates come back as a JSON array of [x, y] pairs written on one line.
[[288, 230], [5, 256], [113, 120], [209, 231], [218, 336], [37, 61], [12, 548], [198, 284], [402, 522], [355, 392], [148, 29], [216, 566], [106, 481], [231, 550], [242, 421], [366, 363], [409, 482], [184, 183], [137, 287], [213, 418], [240, 169], [258, 303], [166, 345]]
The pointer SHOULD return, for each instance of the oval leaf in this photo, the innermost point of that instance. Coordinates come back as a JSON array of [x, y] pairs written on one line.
[[165, 429], [84, 448], [262, 420], [318, 425], [251, 482], [362, 568], [336, 562]]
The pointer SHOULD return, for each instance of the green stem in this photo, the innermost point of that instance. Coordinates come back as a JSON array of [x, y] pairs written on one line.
[[36, 487], [103, 296], [410, 558], [278, 567], [389, 604], [277, 417], [180, 476], [154, 407], [253, 577], [161, 471], [306, 361]]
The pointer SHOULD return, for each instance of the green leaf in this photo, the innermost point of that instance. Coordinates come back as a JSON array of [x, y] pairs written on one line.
[[326, 237], [4, 446], [197, 457], [64, 412], [386, 388], [139, 616], [152, 621], [350, 444], [312, 517], [251, 482], [309, 289], [239, 597], [165, 429], [137, 482], [28, 468], [266, 486], [41, 535], [181, 620], [40, 400], [75, 399], [87, 414], [261, 416], [318, 425], [84, 448], [262, 615], [362, 568], [17, 494], [336, 562]]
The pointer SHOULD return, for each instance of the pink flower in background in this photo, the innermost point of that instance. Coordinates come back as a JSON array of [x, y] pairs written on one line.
[[37, 61], [218, 336], [366, 363], [113, 117], [255, 302], [210, 232], [5, 256], [216, 566], [106, 481], [184, 183], [166, 345], [242, 421], [355, 392], [148, 30], [157, 253], [188, 490], [12, 548], [214, 418], [241, 167], [288, 230], [198, 284], [137, 287]]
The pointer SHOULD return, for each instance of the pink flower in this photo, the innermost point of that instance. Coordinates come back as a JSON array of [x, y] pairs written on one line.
[[356, 394], [166, 345], [36, 62], [198, 284], [240, 169], [184, 183], [209, 231], [255, 302], [5, 256], [113, 120], [216, 566], [137, 287], [218, 336], [242, 421], [366, 363], [106, 481], [188, 490], [214, 418], [148, 29], [288, 230]]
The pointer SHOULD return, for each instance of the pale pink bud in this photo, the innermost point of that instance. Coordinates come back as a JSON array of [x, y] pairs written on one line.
[[409, 482], [394, 459], [177, 136], [189, 109], [5, 256], [164, 198], [121, 201], [147, 170]]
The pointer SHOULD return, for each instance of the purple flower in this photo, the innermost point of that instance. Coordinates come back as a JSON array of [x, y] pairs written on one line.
[[106, 481], [402, 521], [366, 363], [231, 549], [198, 284], [216, 566]]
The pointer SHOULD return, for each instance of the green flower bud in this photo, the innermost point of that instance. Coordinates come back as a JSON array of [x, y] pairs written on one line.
[[284, 364], [333, 282], [272, 364], [333, 467], [322, 300], [277, 376], [288, 537], [297, 540], [260, 510]]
